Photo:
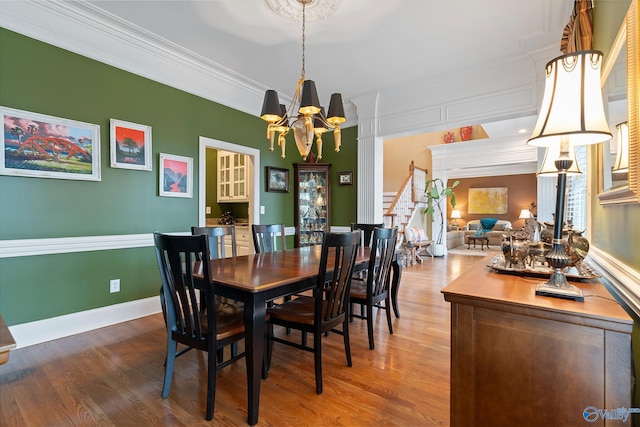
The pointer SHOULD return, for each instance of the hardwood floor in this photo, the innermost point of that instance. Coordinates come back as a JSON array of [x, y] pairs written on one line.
[[113, 376]]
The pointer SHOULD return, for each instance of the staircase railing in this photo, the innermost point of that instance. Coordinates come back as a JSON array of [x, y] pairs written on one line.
[[403, 205]]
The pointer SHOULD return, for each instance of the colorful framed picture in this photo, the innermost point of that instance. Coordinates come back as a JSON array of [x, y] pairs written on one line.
[[41, 146], [345, 178], [176, 176], [130, 145], [277, 180]]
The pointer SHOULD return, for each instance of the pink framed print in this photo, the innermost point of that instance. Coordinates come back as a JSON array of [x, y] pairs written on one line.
[[41, 146], [130, 145], [176, 176]]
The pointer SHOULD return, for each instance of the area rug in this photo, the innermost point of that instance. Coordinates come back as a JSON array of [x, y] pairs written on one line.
[[464, 250]]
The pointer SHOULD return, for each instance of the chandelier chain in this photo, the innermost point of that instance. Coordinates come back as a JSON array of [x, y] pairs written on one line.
[[304, 20]]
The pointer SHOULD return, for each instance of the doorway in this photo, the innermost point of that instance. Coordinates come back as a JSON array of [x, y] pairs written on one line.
[[253, 156]]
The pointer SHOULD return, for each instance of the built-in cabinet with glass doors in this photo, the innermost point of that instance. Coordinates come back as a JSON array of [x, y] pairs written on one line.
[[312, 198], [233, 184]]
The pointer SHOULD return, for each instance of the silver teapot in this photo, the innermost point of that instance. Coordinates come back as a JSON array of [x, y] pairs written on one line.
[[515, 248]]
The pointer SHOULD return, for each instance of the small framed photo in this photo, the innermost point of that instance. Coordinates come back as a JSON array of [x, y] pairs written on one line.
[[277, 180], [130, 145], [345, 178], [42, 146], [176, 176]]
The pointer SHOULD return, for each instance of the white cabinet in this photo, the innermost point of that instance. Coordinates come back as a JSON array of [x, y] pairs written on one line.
[[244, 240], [233, 185]]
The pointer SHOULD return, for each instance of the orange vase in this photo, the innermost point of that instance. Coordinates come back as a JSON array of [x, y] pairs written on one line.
[[465, 133]]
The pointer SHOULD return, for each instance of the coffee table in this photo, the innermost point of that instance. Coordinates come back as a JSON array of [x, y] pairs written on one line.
[[473, 239]]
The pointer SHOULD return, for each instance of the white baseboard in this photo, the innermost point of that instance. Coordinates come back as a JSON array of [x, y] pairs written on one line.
[[40, 331]]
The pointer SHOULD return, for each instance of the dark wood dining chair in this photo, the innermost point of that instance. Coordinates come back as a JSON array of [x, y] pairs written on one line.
[[374, 290], [327, 309], [267, 236], [367, 232], [219, 237], [187, 324]]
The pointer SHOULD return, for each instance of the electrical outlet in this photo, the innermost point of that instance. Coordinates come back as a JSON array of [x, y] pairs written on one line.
[[208, 210], [114, 285], [262, 210]]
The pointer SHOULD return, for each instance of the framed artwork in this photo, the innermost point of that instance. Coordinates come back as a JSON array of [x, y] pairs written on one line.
[[176, 176], [345, 178], [42, 146], [493, 200], [130, 145], [277, 180]]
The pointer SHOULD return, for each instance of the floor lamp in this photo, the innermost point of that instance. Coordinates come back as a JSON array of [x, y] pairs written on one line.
[[572, 114]]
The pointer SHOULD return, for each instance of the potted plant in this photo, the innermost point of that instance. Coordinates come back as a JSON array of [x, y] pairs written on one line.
[[436, 192]]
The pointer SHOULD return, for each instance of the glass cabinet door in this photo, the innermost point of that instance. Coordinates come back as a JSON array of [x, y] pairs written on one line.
[[312, 203]]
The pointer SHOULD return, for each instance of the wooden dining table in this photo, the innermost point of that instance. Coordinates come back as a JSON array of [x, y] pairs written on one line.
[[257, 278]]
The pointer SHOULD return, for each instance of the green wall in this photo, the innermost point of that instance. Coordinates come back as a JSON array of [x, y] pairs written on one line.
[[612, 231], [44, 79]]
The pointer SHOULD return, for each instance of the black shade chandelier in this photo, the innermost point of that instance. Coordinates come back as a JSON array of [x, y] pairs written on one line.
[[305, 115]]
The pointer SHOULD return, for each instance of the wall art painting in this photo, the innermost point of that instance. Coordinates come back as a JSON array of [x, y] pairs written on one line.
[[41, 146], [176, 176], [494, 200], [130, 145]]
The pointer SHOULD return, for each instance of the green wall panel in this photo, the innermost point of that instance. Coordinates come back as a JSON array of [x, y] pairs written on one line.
[[38, 287]]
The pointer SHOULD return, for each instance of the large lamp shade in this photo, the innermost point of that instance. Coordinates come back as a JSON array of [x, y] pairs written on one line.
[[572, 104]]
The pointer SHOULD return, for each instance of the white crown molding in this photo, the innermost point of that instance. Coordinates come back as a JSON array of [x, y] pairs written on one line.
[[87, 30], [82, 28], [621, 280]]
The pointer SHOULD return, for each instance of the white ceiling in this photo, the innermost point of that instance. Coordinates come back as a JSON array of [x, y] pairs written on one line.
[[364, 47]]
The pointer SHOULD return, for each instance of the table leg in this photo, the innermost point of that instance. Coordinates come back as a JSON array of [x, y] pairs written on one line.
[[254, 324], [396, 269]]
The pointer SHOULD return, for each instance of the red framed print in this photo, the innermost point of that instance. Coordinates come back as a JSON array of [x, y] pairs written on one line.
[[130, 145], [42, 146], [176, 176]]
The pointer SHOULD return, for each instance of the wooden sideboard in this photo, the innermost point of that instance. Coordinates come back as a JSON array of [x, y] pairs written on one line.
[[518, 359]]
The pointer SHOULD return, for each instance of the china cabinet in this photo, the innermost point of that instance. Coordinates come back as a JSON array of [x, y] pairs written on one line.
[[312, 198], [232, 177]]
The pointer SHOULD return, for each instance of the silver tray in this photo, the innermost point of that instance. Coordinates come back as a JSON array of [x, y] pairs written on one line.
[[583, 271]]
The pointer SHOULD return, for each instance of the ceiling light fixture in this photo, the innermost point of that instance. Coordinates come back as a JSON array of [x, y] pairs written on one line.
[[305, 115]]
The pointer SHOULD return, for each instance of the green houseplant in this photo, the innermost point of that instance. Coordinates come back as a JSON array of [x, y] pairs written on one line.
[[436, 192]]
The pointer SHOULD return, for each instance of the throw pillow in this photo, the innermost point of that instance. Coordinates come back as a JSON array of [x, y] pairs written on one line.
[[498, 227], [473, 226]]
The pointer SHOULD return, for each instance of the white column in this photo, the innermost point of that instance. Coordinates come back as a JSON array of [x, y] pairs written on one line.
[[370, 161]]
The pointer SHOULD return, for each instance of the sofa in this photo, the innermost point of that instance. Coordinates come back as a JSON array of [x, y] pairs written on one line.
[[494, 234], [455, 238]]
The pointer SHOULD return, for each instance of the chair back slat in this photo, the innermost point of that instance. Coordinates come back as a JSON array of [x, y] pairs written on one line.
[[339, 251], [218, 237], [366, 232], [267, 236], [382, 251], [177, 257]]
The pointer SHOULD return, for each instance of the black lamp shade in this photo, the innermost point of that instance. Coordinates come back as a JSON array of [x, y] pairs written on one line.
[[336, 110], [318, 122], [309, 102], [271, 111]]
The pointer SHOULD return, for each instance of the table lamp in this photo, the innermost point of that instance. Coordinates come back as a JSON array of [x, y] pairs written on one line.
[[455, 216], [571, 114]]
